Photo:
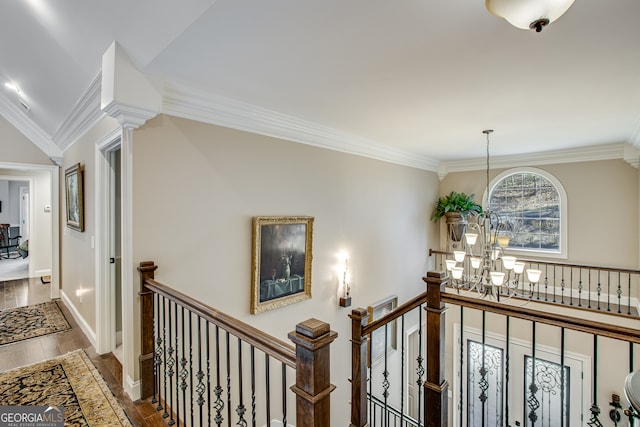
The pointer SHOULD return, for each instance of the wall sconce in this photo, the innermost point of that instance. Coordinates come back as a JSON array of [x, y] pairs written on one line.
[[345, 299]]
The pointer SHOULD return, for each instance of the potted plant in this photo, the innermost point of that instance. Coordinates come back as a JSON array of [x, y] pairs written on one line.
[[455, 207]]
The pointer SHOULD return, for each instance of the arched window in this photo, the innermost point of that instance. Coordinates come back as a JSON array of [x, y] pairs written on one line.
[[532, 205]]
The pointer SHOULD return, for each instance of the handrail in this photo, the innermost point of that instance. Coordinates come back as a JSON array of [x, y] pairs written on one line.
[[279, 349], [559, 264], [559, 320], [394, 314]]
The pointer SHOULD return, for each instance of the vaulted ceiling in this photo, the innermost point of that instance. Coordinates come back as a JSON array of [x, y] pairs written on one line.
[[415, 78]]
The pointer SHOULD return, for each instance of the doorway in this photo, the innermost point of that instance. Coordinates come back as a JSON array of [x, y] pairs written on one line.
[[115, 258], [109, 246]]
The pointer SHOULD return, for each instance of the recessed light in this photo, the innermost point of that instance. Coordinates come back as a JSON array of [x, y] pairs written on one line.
[[13, 87]]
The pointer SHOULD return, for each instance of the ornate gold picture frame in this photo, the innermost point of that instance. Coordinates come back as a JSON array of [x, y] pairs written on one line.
[[281, 261]]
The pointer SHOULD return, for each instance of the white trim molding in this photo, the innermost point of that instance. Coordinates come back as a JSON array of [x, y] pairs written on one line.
[[79, 319], [217, 110], [84, 115]]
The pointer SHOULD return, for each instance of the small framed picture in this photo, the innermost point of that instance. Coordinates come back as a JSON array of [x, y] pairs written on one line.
[[377, 340], [74, 190], [281, 261]]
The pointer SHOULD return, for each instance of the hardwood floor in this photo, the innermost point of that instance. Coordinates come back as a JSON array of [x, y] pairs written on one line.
[[17, 293]]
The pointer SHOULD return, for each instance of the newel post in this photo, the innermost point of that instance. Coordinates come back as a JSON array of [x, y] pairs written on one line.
[[359, 359], [435, 387], [145, 360], [313, 388]]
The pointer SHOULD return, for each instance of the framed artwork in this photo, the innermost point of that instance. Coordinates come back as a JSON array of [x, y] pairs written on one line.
[[281, 261], [74, 190], [377, 338]]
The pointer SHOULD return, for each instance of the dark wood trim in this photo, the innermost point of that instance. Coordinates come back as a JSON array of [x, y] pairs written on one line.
[[278, 349], [313, 386], [527, 313], [359, 354], [436, 411], [145, 361]]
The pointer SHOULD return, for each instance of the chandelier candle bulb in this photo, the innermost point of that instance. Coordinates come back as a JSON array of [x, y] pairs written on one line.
[[456, 272], [471, 238], [508, 262], [459, 255], [497, 278], [533, 275]]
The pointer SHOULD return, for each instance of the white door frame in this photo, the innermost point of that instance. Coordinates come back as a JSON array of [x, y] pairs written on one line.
[[105, 295], [54, 182]]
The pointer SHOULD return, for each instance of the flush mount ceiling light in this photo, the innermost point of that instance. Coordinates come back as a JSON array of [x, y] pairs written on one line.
[[529, 14]]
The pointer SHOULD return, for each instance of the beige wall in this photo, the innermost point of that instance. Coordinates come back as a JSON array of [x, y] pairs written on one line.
[[77, 254], [15, 147], [197, 187], [602, 208]]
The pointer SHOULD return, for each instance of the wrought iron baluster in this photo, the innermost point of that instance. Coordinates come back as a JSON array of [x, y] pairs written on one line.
[[208, 355], [284, 394], [532, 400], [629, 295], [240, 409], [156, 358], [483, 383], [589, 288], [170, 364], [402, 379], [595, 409], [200, 375], [571, 287], [580, 288], [563, 395], [608, 290], [267, 381], [506, 370], [228, 381], [385, 375], [191, 389], [629, 413], [599, 289], [562, 284], [218, 404], [554, 283], [460, 397], [420, 369], [253, 387], [619, 292], [184, 372], [546, 282], [164, 340]]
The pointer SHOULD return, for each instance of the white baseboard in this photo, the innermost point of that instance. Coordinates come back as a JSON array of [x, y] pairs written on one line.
[[132, 388], [79, 319], [40, 273]]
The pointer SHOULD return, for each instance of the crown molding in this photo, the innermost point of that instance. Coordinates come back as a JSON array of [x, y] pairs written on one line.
[[129, 116], [217, 110], [28, 128], [573, 155], [84, 115]]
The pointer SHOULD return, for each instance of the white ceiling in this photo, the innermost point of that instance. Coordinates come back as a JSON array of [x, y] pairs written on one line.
[[420, 77]]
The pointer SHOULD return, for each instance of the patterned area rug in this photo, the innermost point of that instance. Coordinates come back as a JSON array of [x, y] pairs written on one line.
[[21, 323], [70, 380]]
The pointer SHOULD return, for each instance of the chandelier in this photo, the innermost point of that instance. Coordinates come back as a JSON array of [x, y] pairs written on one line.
[[529, 14], [480, 263]]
